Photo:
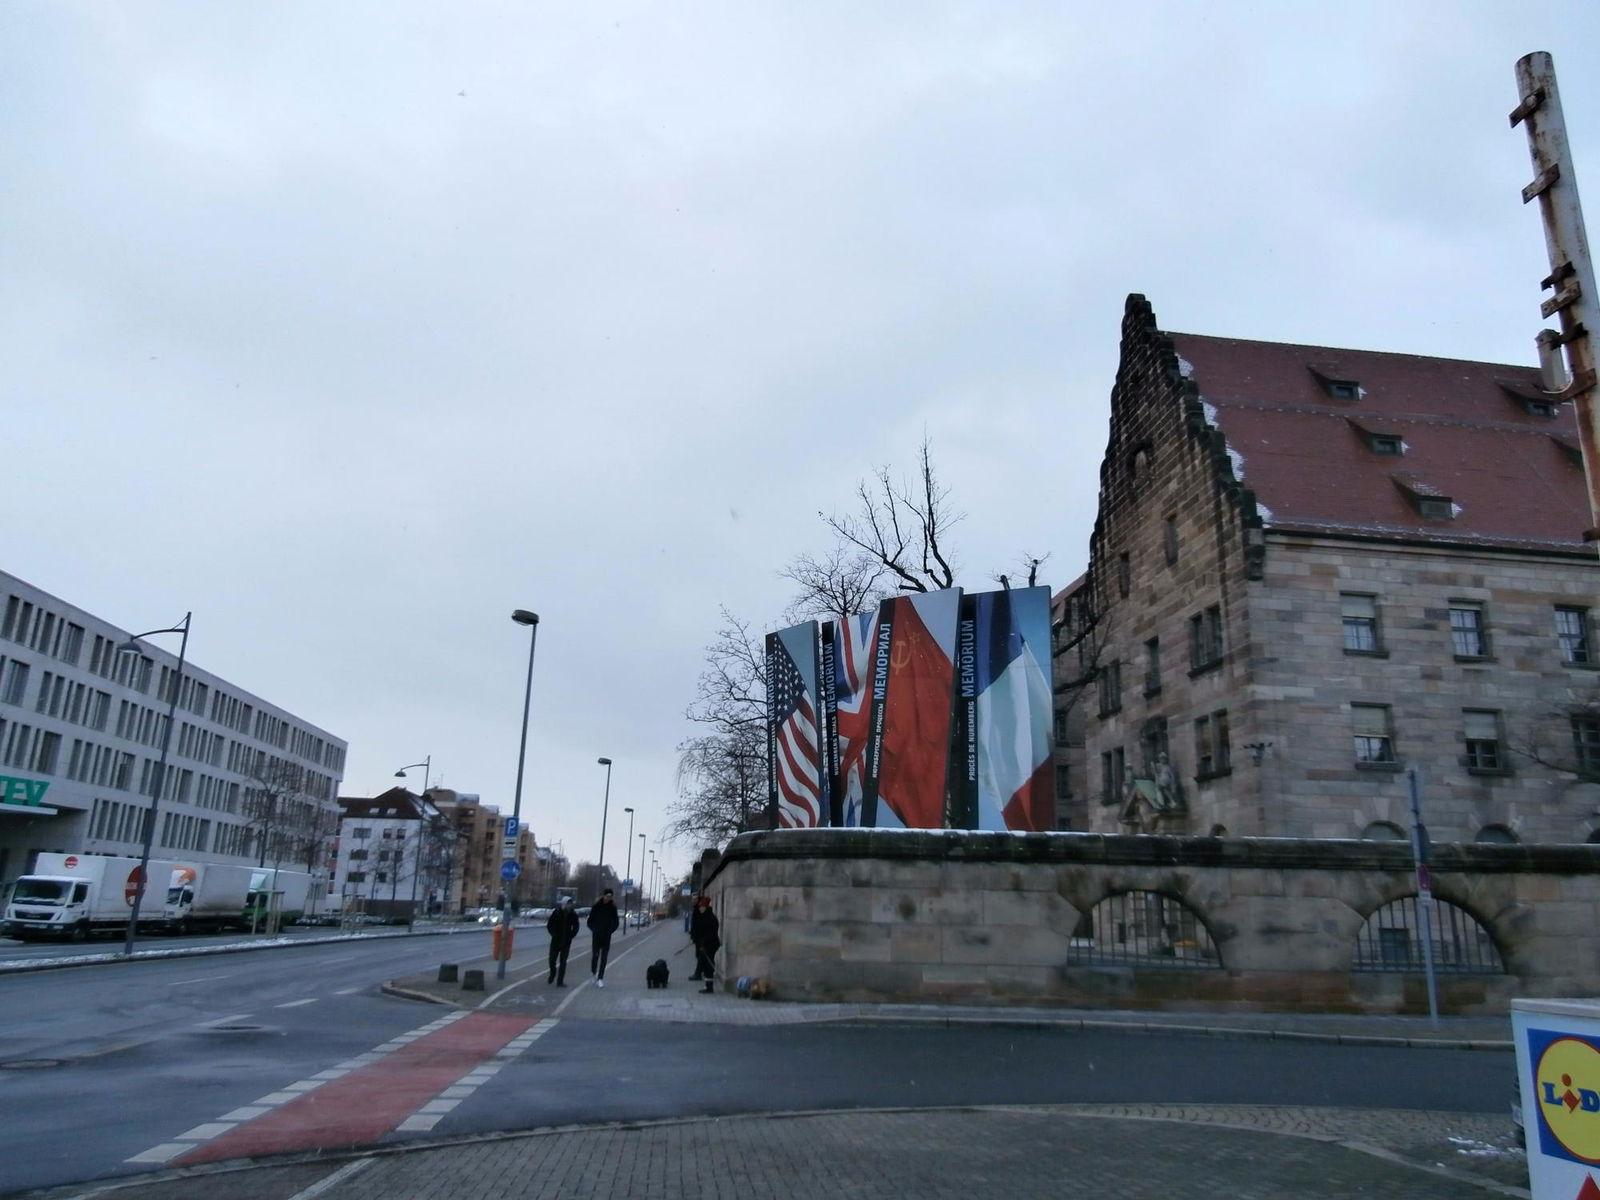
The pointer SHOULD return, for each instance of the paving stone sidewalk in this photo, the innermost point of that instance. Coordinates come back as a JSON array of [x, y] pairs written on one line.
[[625, 998], [1106, 1152]]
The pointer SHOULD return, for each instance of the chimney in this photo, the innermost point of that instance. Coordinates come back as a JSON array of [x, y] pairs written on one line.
[[1552, 369]]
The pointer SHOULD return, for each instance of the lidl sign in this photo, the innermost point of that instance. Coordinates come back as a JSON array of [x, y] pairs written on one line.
[[22, 791], [1566, 1077]]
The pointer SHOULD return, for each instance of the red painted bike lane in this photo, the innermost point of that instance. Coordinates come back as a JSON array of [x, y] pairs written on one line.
[[371, 1101]]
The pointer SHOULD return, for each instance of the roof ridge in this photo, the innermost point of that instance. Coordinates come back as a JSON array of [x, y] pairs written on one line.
[[1474, 362]]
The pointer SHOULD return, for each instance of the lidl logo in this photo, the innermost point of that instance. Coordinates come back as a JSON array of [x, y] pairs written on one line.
[[1567, 1087]]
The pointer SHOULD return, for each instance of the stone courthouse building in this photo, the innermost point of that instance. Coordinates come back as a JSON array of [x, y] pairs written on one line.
[[1313, 569]]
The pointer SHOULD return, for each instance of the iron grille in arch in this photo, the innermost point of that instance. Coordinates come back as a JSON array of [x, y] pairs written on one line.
[[1391, 940], [1143, 929]]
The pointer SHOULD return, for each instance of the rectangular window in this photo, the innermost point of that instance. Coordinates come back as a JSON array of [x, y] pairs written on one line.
[[1467, 633], [1061, 726], [1586, 745], [1373, 741], [1110, 689], [1171, 540], [1063, 783], [44, 755], [1360, 615], [1205, 638], [1572, 631], [1213, 753], [1152, 666], [1112, 765], [361, 832], [1482, 728], [1124, 575], [15, 682], [1383, 443]]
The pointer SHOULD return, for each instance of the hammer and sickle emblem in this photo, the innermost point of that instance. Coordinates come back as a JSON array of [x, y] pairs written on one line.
[[899, 656]]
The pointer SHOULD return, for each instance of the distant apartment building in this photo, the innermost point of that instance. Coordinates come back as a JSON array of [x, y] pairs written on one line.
[[1313, 569], [81, 728], [478, 841], [390, 854]]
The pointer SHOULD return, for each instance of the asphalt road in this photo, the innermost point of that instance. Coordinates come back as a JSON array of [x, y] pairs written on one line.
[[131, 1055], [14, 950]]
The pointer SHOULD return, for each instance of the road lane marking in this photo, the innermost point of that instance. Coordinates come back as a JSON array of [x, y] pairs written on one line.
[[328, 1181], [297, 1003], [348, 992], [209, 1130], [247, 1113], [165, 1152], [201, 979]]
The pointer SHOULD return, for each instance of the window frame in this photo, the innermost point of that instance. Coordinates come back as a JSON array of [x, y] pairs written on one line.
[[1496, 763], [1481, 631], [1582, 653], [1373, 625], [1365, 761]]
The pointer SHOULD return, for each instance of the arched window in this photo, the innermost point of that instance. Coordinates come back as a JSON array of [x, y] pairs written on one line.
[[1391, 940], [1496, 835], [1383, 831], [1145, 929]]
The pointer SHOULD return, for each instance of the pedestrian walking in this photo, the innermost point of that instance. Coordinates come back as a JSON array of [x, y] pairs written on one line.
[[602, 924], [703, 932], [563, 927]]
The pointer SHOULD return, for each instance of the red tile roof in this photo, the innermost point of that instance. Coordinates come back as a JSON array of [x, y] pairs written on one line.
[[1468, 437]]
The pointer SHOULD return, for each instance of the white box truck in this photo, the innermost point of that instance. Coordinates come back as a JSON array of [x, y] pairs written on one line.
[[277, 897], [204, 897], [76, 895]]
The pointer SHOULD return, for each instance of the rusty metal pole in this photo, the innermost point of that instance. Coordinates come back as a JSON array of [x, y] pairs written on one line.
[[1571, 280]]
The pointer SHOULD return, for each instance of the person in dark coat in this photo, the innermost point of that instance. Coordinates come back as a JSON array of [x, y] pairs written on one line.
[[602, 924], [703, 928], [563, 927]]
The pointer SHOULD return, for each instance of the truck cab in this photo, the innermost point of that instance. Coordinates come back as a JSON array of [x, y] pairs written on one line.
[[48, 904]]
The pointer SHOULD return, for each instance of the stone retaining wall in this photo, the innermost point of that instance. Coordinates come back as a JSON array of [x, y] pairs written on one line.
[[843, 914]]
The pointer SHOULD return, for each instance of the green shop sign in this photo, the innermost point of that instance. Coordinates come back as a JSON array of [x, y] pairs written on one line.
[[22, 791]]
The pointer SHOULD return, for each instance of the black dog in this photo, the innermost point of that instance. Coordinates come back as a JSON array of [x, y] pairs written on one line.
[[655, 975]]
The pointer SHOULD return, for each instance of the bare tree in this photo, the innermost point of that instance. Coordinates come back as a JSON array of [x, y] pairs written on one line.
[[276, 808], [722, 788], [839, 583], [1565, 738], [901, 526], [732, 690]]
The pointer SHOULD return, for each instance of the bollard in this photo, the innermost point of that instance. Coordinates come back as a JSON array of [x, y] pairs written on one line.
[[472, 981], [447, 972]]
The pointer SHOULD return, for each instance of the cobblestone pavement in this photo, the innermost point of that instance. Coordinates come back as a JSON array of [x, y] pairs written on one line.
[[625, 998], [1106, 1152]]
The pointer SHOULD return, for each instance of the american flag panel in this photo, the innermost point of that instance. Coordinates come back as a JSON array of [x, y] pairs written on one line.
[[797, 772]]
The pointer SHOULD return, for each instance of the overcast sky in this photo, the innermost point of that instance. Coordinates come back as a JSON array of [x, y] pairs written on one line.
[[353, 327]]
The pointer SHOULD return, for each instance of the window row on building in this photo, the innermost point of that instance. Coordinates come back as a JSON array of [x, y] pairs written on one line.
[[1469, 629]]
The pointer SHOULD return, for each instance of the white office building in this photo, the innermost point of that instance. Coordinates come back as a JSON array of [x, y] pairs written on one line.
[[80, 743]]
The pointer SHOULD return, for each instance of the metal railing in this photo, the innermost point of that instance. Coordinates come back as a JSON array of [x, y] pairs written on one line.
[[1144, 929], [1391, 940]]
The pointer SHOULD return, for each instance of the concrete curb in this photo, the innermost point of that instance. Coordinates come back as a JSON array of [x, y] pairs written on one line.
[[1158, 1027], [1083, 1025], [21, 966]]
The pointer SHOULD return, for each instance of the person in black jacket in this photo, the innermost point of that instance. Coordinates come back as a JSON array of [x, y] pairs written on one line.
[[602, 924], [703, 928], [563, 927]]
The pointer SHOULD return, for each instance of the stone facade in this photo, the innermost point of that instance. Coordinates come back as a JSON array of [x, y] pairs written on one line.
[[1215, 637], [1000, 918]]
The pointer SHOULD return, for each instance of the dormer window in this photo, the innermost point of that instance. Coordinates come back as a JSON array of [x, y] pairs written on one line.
[[1383, 443], [1335, 381], [1539, 408], [1428, 500]]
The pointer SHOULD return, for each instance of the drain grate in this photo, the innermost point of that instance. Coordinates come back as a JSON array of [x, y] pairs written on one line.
[[30, 1064]]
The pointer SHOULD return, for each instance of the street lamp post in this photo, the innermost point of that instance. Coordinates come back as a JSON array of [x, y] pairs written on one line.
[[522, 617], [600, 867], [627, 871], [644, 844], [131, 646], [422, 815]]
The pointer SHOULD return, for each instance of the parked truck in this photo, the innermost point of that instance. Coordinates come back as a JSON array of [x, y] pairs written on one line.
[[77, 895], [277, 897]]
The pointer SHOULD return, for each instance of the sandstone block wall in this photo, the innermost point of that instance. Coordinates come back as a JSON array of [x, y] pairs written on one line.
[[979, 917]]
